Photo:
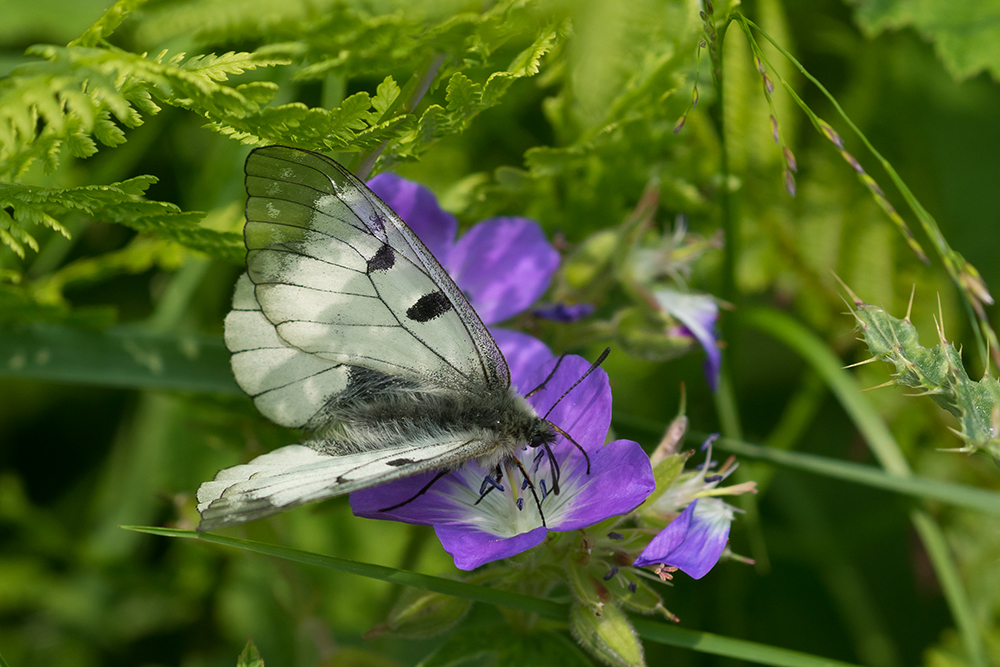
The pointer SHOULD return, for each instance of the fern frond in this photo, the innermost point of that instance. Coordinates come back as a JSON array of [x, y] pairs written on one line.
[[120, 203]]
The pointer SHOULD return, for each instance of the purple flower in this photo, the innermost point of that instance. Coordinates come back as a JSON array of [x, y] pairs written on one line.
[[693, 541], [477, 528], [698, 313], [503, 265], [564, 312]]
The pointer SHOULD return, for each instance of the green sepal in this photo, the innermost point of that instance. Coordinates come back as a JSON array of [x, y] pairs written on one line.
[[609, 637], [419, 614], [644, 600], [665, 473], [645, 334], [587, 590]]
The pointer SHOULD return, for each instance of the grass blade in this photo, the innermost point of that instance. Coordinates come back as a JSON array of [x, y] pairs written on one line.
[[703, 642]]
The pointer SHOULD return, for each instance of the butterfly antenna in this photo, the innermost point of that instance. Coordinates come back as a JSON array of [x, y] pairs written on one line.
[[575, 444], [419, 493], [593, 367], [546, 380]]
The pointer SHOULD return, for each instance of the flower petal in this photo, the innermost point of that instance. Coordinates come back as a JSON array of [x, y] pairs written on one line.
[[585, 412], [418, 207], [524, 354], [370, 502], [472, 548], [698, 313], [667, 539], [620, 479], [503, 265], [703, 538]]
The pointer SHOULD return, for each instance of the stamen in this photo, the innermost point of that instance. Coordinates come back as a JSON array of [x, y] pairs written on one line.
[[632, 587], [538, 503], [524, 484], [611, 573], [616, 536], [554, 467], [714, 478], [544, 491], [520, 503], [487, 482]]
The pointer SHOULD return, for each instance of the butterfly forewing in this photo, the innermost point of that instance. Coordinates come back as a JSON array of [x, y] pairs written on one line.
[[343, 279]]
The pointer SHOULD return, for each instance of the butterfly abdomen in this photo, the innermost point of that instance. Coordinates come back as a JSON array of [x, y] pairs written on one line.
[[500, 421]]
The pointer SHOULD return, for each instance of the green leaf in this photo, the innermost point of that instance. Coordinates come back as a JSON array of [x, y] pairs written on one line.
[[108, 23], [117, 357], [250, 656], [965, 34]]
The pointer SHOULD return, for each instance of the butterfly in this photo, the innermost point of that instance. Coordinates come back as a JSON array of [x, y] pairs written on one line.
[[346, 326]]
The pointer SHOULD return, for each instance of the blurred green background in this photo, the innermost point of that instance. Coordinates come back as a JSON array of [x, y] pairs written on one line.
[[841, 572]]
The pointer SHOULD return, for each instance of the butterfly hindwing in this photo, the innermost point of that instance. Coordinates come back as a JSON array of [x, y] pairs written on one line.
[[288, 386], [342, 278], [296, 474]]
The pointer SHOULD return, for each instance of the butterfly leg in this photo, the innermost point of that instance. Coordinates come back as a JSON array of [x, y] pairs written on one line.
[[547, 378], [419, 493]]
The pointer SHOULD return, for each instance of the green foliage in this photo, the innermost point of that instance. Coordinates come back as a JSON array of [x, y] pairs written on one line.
[[121, 203], [965, 34], [250, 657], [938, 372]]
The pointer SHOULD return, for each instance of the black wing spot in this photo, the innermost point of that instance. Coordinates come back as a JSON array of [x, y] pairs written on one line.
[[398, 463], [429, 306], [383, 260]]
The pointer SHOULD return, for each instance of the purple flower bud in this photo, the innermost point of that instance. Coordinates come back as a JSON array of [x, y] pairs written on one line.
[[708, 7], [789, 183], [680, 123], [831, 134], [768, 85], [851, 161], [774, 129], [790, 159], [564, 312], [694, 98]]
